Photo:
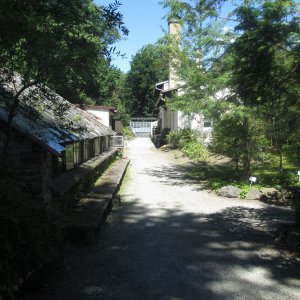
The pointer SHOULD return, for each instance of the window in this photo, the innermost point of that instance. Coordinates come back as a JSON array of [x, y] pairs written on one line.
[[91, 148], [69, 156], [86, 150], [81, 150], [97, 146], [105, 146], [102, 144], [77, 153]]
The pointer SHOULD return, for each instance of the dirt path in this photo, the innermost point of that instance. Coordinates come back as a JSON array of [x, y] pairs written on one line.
[[171, 240]]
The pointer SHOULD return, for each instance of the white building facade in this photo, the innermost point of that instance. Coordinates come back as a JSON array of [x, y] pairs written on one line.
[[178, 120]]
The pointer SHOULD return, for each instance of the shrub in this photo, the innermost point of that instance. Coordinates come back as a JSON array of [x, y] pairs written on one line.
[[179, 139], [128, 133], [173, 138], [246, 187], [195, 150], [186, 141], [286, 178], [215, 184]]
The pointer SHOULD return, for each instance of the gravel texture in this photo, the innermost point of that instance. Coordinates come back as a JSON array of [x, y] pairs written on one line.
[[171, 239]]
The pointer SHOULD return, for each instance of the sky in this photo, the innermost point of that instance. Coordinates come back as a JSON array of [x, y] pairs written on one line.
[[146, 23], [144, 19]]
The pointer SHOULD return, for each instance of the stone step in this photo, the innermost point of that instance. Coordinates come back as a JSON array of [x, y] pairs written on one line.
[[83, 223]]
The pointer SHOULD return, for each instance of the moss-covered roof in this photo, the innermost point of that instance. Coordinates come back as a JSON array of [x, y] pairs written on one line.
[[48, 118]]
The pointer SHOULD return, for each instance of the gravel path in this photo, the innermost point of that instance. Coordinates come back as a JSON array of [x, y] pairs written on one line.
[[171, 239]]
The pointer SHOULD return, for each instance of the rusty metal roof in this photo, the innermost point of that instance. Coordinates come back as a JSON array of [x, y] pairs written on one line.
[[48, 118]]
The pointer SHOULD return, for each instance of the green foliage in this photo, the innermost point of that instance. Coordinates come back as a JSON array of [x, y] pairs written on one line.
[[202, 42], [292, 148], [252, 72], [282, 180], [217, 183], [64, 44], [265, 66], [115, 84], [60, 44], [230, 134], [245, 187], [219, 175], [147, 69], [287, 178], [264, 55], [173, 139], [196, 151], [29, 237], [186, 141], [128, 133], [179, 139], [216, 175], [279, 179]]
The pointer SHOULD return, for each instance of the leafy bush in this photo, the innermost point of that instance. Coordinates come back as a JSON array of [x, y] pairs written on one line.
[[215, 184], [195, 150], [128, 133], [179, 139], [173, 138], [245, 187], [292, 149], [287, 178], [186, 141]]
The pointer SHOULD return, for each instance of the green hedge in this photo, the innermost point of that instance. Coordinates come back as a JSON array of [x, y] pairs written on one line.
[[186, 140]]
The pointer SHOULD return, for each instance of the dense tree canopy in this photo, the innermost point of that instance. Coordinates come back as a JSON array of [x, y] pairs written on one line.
[[265, 66], [62, 43], [148, 67], [116, 88], [242, 67]]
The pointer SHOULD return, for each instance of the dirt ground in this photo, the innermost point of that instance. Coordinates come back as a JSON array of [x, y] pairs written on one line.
[[172, 239]]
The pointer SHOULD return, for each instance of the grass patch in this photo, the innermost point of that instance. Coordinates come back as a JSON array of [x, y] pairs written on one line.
[[218, 175], [127, 178]]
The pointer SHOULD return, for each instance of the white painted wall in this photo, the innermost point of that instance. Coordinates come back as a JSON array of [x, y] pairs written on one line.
[[178, 120], [103, 115]]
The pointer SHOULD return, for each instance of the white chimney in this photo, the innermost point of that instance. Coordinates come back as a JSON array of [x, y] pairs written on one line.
[[174, 32]]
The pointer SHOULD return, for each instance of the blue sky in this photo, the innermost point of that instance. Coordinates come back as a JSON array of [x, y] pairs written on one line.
[[146, 23], [144, 19]]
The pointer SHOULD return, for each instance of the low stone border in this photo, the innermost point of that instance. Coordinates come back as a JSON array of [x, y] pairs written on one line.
[[84, 221], [69, 186]]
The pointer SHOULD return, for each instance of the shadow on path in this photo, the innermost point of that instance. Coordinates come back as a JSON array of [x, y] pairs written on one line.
[[175, 255]]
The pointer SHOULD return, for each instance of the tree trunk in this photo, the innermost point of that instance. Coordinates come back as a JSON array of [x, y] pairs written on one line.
[[236, 165], [280, 157], [246, 155]]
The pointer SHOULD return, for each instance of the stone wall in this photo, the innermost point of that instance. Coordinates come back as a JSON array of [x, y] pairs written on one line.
[[70, 186], [26, 157], [35, 167]]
